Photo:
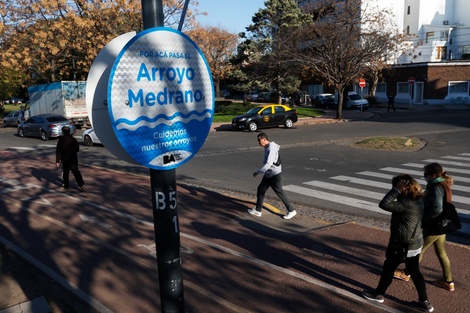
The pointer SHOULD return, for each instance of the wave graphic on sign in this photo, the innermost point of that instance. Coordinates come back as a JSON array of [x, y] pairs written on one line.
[[145, 121]]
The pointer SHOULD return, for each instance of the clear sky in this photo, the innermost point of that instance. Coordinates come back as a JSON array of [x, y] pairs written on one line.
[[231, 15]]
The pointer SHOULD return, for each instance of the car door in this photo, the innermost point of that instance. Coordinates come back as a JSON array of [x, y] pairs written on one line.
[[279, 115], [32, 126], [266, 117]]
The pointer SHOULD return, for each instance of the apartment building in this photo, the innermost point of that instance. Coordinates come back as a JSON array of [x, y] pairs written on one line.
[[438, 61]]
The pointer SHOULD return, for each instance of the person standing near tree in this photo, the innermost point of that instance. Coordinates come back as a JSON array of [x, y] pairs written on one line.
[[391, 101], [272, 177], [66, 153]]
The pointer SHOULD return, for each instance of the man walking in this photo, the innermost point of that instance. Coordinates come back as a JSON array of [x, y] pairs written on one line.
[[272, 177], [66, 153]]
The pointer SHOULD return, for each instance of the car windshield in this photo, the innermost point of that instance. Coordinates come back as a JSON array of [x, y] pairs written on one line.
[[56, 118], [329, 97], [254, 110], [354, 96]]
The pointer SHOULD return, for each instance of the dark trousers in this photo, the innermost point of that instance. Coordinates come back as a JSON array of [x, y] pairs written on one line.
[[68, 166], [275, 183], [391, 103], [412, 266]]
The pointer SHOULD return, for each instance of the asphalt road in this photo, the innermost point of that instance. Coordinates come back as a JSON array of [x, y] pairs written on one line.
[[99, 244], [309, 152]]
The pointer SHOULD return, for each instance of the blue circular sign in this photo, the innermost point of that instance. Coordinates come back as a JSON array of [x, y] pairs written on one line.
[[161, 98]]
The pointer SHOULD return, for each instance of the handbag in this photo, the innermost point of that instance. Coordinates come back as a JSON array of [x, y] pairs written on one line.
[[398, 250], [446, 222]]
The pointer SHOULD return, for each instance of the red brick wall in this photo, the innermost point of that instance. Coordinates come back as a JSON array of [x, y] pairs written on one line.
[[436, 76]]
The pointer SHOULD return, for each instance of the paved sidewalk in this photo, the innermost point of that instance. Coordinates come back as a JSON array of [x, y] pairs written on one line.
[[351, 252]]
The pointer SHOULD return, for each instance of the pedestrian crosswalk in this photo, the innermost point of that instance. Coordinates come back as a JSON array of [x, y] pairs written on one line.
[[363, 190]]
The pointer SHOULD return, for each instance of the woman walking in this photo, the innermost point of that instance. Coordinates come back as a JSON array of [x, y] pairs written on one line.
[[438, 184], [405, 203]]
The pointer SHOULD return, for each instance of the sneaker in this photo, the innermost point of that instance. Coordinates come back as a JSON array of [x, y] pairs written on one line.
[[444, 285], [372, 296], [400, 274], [62, 188], [424, 306], [254, 212], [82, 188], [290, 215]]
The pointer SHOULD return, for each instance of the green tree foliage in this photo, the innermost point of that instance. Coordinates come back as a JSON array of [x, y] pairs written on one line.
[[262, 61]]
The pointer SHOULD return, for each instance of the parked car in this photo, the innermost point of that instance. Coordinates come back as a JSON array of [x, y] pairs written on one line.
[[44, 126], [264, 96], [273, 97], [264, 116], [251, 96], [89, 137], [324, 100], [13, 118], [355, 101]]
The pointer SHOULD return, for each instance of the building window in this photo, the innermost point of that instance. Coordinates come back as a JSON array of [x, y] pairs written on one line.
[[444, 35], [403, 87], [381, 88], [407, 30], [458, 87], [409, 9], [429, 36]]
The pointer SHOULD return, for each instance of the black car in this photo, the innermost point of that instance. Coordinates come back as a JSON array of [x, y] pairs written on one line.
[[272, 115], [324, 100]]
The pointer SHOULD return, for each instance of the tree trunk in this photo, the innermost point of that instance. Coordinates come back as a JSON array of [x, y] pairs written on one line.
[[339, 111]]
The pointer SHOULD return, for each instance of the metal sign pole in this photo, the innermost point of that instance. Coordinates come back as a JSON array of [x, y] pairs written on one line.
[[164, 203]]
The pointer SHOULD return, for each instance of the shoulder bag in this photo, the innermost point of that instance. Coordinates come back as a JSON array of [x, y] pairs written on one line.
[[448, 220]]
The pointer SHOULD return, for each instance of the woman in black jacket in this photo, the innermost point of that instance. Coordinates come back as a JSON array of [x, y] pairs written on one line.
[[405, 203]]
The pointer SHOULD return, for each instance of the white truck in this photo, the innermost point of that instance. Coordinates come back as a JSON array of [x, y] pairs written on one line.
[[66, 98]]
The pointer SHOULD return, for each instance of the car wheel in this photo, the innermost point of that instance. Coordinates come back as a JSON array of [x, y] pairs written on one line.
[[252, 126], [87, 141], [43, 136], [20, 132], [288, 123]]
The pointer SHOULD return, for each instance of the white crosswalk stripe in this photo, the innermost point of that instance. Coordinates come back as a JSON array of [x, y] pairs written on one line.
[[365, 189]]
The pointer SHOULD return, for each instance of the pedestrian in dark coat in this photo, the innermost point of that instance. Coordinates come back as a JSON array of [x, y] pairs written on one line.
[[66, 154], [391, 101], [405, 203]]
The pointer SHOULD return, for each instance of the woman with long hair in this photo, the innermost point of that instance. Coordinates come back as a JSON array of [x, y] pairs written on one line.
[[438, 184], [405, 203]]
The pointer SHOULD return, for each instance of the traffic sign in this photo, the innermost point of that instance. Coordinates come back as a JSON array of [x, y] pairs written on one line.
[[411, 80], [362, 83], [161, 98]]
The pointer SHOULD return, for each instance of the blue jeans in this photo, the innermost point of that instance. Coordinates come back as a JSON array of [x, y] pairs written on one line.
[[275, 183]]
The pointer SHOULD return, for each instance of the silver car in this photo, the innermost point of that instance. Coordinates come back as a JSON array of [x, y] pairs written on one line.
[[45, 126], [13, 118]]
